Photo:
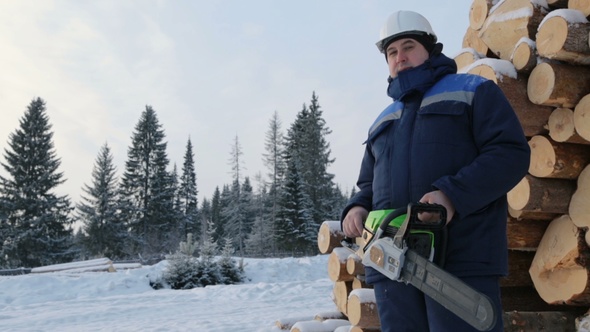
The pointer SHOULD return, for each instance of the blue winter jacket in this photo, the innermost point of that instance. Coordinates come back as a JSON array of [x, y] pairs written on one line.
[[451, 132]]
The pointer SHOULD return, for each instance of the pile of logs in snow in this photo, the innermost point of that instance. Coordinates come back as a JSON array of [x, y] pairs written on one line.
[[538, 53]]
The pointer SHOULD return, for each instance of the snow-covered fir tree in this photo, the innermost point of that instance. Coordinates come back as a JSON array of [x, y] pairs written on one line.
[[104, 231], [147, 193], [188, 194], [36, 223]]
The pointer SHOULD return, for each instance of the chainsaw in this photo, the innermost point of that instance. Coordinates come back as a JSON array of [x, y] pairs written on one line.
[[393, 257]]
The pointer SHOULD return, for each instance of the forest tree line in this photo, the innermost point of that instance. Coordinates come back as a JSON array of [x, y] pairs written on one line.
[[148, 210]]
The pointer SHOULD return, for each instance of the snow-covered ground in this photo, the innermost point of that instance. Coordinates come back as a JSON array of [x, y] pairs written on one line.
[[275, 289]]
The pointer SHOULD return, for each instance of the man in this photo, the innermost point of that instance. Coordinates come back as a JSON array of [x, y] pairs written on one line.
[[451, 139]]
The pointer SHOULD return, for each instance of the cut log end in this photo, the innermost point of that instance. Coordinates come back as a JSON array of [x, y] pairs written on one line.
[[552, 36], [582, 118], [541, 84], [554, 271], [518, 196], [542, 162]]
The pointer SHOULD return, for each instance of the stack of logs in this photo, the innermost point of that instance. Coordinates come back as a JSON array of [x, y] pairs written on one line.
[[538, 53]]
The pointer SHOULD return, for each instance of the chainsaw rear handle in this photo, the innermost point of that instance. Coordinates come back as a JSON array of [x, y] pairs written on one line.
[[412, 211]]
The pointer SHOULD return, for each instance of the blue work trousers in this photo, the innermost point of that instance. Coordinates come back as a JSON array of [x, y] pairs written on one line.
[[405, 308]]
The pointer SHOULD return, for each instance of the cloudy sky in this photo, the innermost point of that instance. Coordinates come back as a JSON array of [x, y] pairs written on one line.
[[213, 70]]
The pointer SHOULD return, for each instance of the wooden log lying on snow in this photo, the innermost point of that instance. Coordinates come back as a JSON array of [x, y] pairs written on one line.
[[508, 22], [532, 117], [93, 265], [329, 236], [562, 128], [558, 85], [322, 316], [357, 329], [316, 326], [563, 35], [582, 118], [557, 160], [362, 308], [541, 194], [556, 270]]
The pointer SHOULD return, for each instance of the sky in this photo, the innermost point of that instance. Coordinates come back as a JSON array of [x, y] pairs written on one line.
[[288, 290], [212, 70]]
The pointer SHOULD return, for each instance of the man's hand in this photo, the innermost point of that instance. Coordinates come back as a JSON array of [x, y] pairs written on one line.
[[437, 197], [352, 225]]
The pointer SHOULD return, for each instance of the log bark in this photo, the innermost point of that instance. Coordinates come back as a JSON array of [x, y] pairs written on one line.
[[558, 85], [525, 234], [322, 316], [562, 128], [471, 40], [329, 236], [531, 215], [337, 265], [354, 266], [582, 118], [558, 276], [340, 293], [518, 266], [581, 5], [556, 4], [550, 159], [539, 194], [579, 208], [362, 308], [563, 35], [524, 55], [508, 22], [518, 321], [466, 58], [478, 12], [532, 117]]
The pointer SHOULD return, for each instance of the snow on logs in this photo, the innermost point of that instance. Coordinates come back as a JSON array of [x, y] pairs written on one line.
[[563, 35], [509, 21], [330, 236], [93, 265]]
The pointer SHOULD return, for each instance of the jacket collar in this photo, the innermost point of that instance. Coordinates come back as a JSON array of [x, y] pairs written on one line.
[[421, 78]]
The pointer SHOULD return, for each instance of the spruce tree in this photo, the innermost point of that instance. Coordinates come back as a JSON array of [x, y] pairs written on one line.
[[188, 193], [147, 193], [275, 163], [308, 195], [98, 210], [235, 212], [36, 225]]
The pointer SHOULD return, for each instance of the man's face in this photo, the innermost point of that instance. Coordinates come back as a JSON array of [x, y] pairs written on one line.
[[404, 54]]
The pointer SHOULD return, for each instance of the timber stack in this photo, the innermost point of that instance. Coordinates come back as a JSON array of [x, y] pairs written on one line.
[[538, 53]]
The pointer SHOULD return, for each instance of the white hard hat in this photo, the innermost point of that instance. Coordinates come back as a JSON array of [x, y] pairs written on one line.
[[404, 23]]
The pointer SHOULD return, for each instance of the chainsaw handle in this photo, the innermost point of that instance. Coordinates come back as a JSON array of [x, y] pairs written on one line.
[[415, 208], [392, 215]]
